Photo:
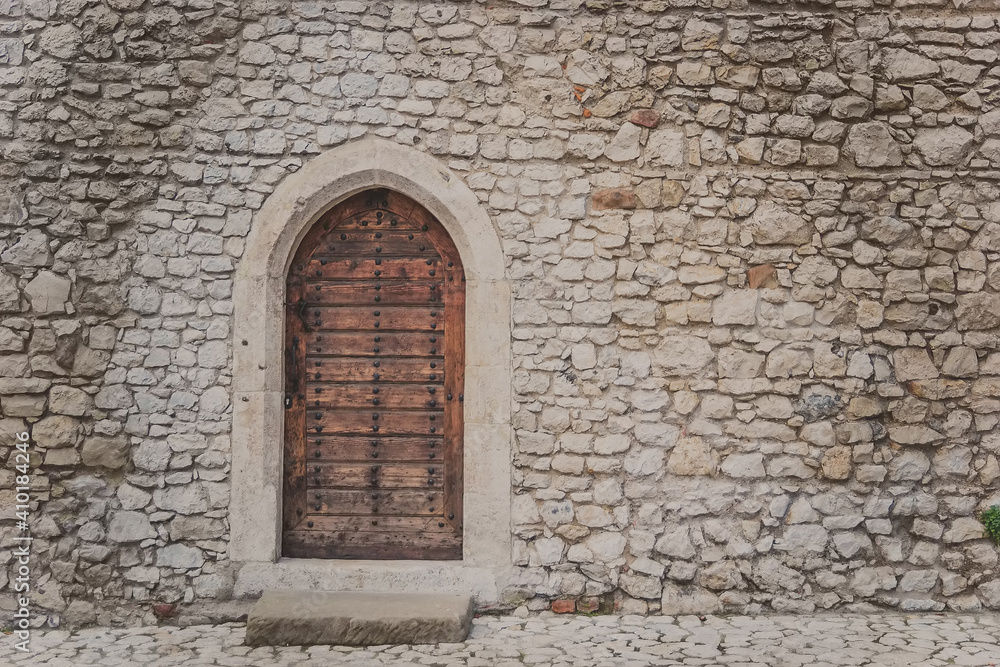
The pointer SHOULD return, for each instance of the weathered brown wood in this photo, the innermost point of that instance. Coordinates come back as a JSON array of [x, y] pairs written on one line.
[[376, 500], [371, 369], [375, 343], [384, 448], [371, 292], [374, 466], [388, 475], [427, 318], [382, 395], [454, 391], [375, 421], [373, 545], [293, 507], [376, 244], [334, 267], [426, 524]]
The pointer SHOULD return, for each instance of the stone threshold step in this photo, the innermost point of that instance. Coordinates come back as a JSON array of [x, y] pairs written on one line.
[[295, 618]]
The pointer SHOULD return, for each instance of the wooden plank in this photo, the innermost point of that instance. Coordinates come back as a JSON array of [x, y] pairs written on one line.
[[362, 369], [376, 343], [375, 318], [377, 219], [360, 475], [375, 421], [455, 389], [414, 524], [353, 232], [374, 500], [385, 396], [367, 268], [372, 545], [368, 448], [370, 292], [394, 245], [294, 484]]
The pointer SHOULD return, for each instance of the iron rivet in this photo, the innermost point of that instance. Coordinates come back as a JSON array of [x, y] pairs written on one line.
[[310, 524]]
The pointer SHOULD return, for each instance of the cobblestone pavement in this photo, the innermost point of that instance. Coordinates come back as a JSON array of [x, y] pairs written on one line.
[[603, 641]]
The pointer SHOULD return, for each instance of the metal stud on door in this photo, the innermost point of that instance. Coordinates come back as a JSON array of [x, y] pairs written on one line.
[[374, 339]]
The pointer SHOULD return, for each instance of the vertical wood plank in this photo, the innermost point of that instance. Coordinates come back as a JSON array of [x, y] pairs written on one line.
[[294, 485], [454, 359]]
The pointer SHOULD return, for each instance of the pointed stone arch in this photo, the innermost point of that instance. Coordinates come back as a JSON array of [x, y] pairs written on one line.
[[258, 333]]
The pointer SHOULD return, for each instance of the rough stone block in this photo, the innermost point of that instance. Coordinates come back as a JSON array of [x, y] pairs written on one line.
[[285, 618]]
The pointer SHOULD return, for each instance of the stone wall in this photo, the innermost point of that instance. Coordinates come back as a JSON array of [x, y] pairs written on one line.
[[754, 247]]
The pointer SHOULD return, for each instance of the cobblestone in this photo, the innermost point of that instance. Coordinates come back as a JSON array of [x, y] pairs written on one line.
[[816, 640]]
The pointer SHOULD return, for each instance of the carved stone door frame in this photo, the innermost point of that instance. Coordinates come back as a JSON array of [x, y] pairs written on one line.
[[258, 382]]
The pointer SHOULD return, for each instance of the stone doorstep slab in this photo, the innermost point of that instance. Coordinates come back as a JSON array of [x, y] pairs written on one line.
[[295, 618]]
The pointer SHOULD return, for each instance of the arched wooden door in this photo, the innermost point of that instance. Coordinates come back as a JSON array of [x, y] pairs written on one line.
[[374, 382]]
